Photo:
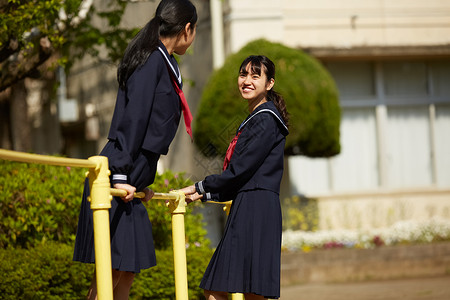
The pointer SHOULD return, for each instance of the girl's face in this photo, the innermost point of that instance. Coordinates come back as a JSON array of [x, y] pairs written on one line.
[[254, 86]]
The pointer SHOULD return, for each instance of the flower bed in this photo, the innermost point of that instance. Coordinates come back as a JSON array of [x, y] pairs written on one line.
[[404, 232]]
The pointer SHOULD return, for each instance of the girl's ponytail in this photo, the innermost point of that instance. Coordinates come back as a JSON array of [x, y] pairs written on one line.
[[138, 50], [278, 100]]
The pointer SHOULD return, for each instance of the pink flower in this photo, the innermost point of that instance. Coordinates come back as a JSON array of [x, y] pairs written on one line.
[[378, 241], [166, 182]]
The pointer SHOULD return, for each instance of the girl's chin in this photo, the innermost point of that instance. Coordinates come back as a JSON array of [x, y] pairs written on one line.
[[246, 96]]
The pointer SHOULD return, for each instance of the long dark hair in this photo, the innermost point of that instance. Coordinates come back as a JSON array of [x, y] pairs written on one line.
[[170, 19], [261, 62]]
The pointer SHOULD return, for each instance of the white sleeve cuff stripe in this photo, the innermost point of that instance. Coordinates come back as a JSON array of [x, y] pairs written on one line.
[[119, 177], [208, 196], [200, 187]]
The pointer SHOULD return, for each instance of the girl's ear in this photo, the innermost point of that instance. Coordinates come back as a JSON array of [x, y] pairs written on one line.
[[270, 84], [187, 29]]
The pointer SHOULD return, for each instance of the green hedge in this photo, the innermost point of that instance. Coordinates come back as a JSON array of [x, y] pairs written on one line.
[[44, 272], [47, 272], [309, 90], [39, 207], [39, 203]]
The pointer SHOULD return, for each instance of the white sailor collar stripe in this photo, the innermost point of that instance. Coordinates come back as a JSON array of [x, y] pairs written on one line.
[[177, 75], [260, 111]]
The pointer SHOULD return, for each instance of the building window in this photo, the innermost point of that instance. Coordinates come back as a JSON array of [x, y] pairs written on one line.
[[394, 128]]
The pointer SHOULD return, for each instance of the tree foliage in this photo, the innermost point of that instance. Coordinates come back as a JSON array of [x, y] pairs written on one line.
[[308, 89], [32, 31]]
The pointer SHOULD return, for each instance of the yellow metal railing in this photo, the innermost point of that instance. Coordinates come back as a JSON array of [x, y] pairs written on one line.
[[177, 207], [100, 199]]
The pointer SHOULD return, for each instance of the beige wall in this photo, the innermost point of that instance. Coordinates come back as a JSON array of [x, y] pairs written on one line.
[[381, 209], [339, 23]]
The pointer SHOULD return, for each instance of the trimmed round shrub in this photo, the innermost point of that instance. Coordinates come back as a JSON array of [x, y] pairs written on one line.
[[309, 91]]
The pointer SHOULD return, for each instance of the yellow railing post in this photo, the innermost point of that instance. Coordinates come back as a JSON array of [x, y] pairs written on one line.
[[177, 208], [100, 198]]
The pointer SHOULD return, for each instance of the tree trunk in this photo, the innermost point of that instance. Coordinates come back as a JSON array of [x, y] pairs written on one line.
[[5, 120], [20, 126]]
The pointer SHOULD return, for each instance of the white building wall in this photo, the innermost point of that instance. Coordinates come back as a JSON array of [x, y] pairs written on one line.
[[338, 23], [395, 114]]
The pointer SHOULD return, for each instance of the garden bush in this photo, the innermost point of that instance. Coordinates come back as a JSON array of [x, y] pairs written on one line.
[[39, 208], [159, 282], [48, 272], [40, 203], [43, 272], [309, 90]]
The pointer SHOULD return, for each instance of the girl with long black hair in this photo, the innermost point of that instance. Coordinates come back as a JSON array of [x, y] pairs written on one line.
[[146, 117]]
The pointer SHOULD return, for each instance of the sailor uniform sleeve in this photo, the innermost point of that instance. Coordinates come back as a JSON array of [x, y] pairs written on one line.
[[253, 146], [131, 128]]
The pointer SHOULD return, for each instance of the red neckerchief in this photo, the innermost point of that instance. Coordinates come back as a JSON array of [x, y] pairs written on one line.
[[230, 150], [184, 106], [232, 145]]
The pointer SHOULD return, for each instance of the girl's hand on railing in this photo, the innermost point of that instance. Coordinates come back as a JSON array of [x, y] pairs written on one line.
[[128, 188], [148, 194], [193, 197], [191, 194]]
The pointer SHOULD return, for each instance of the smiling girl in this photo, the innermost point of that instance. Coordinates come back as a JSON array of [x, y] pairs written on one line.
[[247, 259]]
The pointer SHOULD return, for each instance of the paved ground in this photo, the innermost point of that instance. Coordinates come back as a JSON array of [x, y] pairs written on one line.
[[404, 289]]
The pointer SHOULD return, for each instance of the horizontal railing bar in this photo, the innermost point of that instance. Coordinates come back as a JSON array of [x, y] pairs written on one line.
[[219, 202], [157, 196], [46, 159]]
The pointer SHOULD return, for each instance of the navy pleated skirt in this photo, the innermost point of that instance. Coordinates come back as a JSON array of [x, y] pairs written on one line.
[[132, 247], [247, 259]]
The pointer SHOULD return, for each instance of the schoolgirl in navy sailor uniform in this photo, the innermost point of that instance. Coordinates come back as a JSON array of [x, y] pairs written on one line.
[[247, 259], [146, 117]]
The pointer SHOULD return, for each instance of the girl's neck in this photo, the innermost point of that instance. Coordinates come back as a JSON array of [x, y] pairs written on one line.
[[169, 43], [253, 104]]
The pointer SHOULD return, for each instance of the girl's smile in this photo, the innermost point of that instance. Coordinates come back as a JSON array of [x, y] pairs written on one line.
[[253, 86]]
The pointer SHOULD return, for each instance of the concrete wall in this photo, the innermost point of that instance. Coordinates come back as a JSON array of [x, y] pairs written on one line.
[[384, 263], [339, 23], [381, 209]]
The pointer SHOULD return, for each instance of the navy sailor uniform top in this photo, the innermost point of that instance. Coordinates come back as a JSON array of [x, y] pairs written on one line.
[[257, 161], [147, 113]]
